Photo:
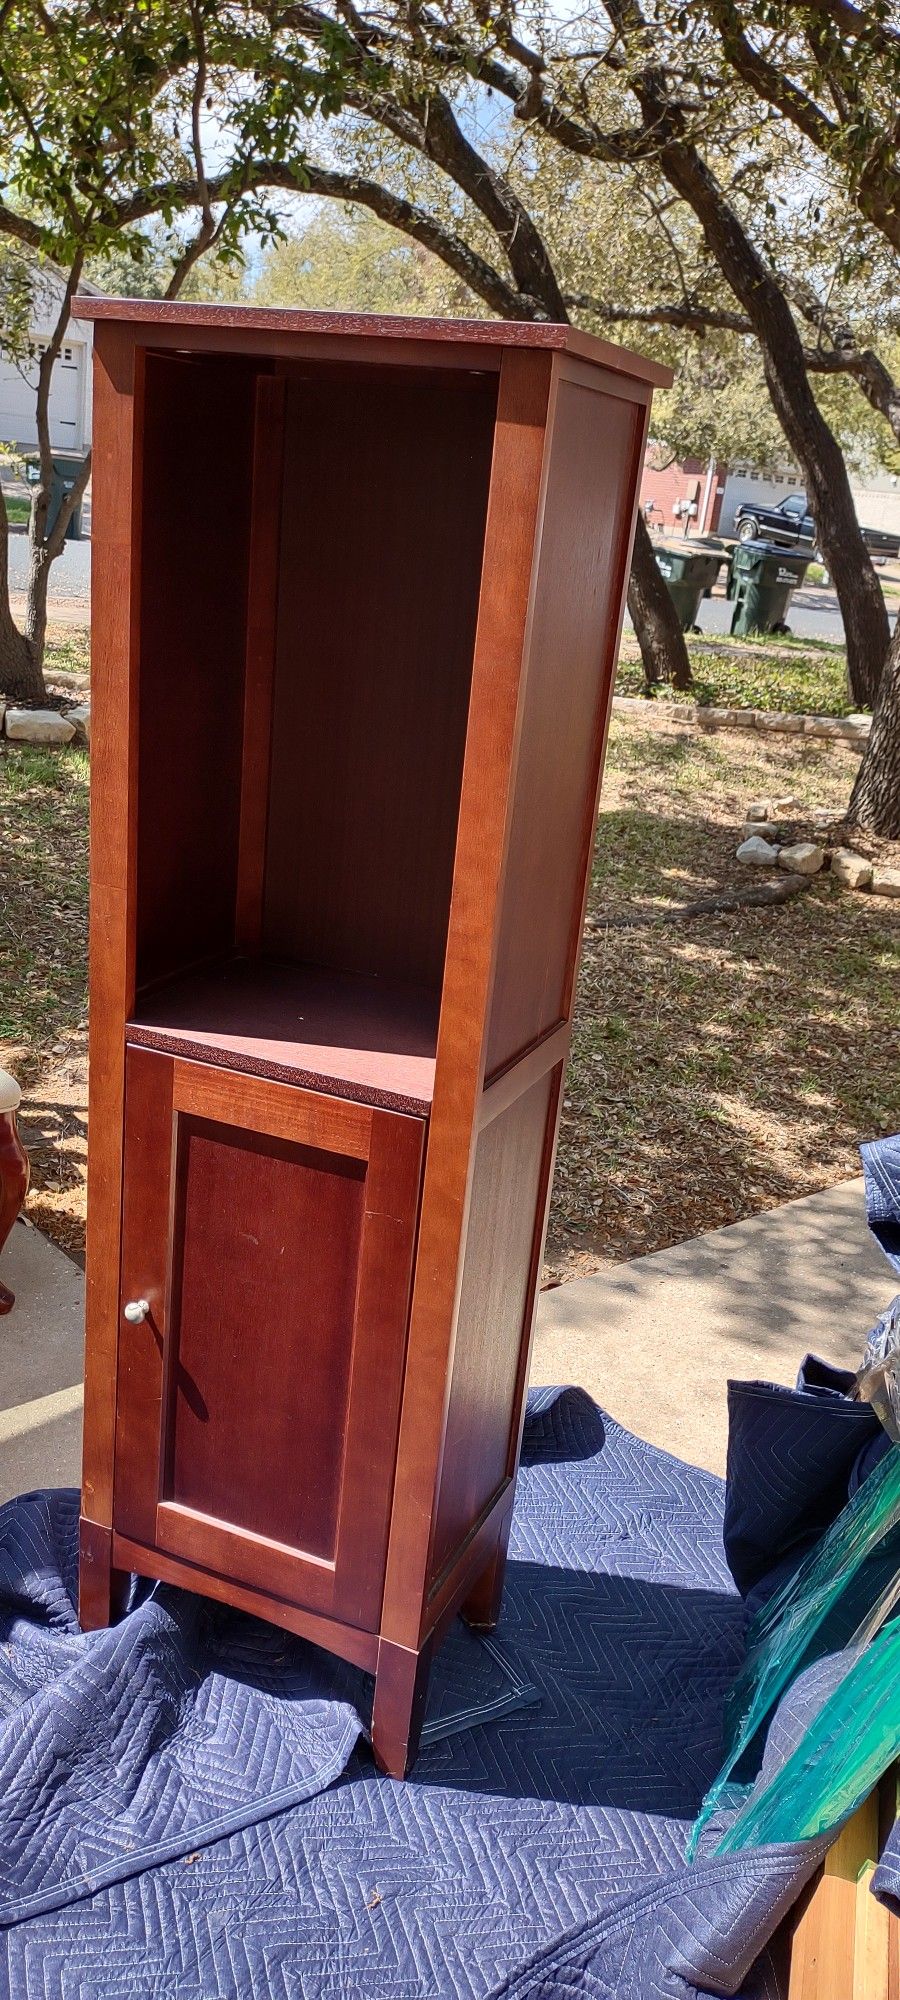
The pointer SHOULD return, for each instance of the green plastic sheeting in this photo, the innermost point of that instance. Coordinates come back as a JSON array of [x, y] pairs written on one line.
[[852, 1740], [830, 1603]]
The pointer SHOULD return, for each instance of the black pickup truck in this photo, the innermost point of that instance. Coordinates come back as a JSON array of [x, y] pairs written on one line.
[[792, 527]]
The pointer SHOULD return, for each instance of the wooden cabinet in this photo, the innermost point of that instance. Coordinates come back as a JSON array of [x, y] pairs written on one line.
[[357, 594]]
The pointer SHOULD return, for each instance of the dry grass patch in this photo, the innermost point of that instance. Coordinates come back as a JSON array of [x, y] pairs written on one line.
[[727, 1064]]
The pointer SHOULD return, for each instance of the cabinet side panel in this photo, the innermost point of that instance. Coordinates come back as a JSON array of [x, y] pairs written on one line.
[[576, 613], [266, 1245], [116, 525], [198, 446], [495, 1307]]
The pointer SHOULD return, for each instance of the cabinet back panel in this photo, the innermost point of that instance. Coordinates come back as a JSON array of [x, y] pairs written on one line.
[[494, 1311], [198, 437], [265, 1264], [589, 510], [385, 494]]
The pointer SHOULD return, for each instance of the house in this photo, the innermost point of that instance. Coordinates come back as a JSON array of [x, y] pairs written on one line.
[[693, 496], [70, 389]]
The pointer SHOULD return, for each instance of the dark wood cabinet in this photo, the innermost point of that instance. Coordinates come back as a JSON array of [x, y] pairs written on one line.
[[358, 587]]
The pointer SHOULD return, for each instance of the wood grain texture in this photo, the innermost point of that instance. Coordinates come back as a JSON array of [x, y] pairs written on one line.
[[398, 1711], [306, 1118], [357, 861], [361, 1648], [501, 334], [259, 659], [259, 1398], [194, 565], [376, 624], [511, 531], [370, 1040], [493, 1318], [579, 584], [841, 1945], [266, 1242], [115, 588]]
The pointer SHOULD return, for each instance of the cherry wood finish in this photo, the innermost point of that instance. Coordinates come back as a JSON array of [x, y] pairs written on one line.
[[335, 928], [14, 1175], [379, 597]]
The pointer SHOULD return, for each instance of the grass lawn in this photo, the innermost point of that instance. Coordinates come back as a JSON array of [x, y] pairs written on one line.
[[719, 1065], [728, 1063], [808, 678]]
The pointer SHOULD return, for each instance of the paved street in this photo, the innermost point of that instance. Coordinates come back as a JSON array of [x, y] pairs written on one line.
[[814, 613]]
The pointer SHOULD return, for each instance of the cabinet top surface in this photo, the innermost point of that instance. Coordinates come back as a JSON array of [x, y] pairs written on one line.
[[375, 326]]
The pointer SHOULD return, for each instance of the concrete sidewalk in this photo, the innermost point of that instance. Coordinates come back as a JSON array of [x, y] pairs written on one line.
[[41, 1365], [654, 1340]]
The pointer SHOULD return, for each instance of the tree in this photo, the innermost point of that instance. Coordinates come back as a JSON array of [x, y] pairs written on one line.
[[102, 114], [625, 88]]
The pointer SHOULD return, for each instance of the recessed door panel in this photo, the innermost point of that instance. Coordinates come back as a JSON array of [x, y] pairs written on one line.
[[270, 1232], [266, 1245]]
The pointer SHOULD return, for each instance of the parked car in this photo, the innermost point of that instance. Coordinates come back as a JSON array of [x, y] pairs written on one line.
[[791, 525]]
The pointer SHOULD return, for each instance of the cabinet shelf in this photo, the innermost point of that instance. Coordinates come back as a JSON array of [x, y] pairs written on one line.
[[370, 1040]]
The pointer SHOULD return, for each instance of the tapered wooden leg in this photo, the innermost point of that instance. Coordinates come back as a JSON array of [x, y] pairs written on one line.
[[481, 1609], [401, 1689], [102, 1589], [13, 1171]]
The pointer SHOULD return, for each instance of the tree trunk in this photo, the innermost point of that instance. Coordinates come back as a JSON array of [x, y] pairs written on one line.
[[812, 441], [875, 799], [21, 669], [660, 637]]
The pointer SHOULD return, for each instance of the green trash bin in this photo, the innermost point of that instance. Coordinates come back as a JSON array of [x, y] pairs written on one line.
[[690, 572], [761, 582], [66, 467]]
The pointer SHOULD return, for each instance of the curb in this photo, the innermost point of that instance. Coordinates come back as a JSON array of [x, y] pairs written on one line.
[[840, 728]]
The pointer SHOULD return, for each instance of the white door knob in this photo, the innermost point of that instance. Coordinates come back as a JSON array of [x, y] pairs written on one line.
[[136, 1310]]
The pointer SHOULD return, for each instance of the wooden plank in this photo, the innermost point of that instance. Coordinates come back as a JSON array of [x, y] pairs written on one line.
[[262, 608], [513, 524], [837, 1943], [307, 1118], [114, 639], [543, 335]]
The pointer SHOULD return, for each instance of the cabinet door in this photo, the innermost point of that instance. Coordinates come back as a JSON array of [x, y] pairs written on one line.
[[271, 1232]]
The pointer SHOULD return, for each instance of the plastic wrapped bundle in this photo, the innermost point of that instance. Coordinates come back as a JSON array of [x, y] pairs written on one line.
[[840, 1757], [838, 1599]]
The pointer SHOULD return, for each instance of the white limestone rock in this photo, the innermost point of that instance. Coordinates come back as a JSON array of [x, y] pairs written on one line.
[[803, 857], [886, 881], [761, 809], [81, 716], [38, 725], [853, 871], [757, 853]]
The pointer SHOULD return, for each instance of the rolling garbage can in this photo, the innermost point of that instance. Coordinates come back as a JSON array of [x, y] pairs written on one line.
[[66, 467], [690, 572], [761, 581]]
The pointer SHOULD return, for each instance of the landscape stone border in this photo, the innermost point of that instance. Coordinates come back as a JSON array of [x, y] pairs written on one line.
[[842, 728]]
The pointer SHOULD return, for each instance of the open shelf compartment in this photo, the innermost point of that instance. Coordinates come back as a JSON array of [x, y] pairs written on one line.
[[306, 636]]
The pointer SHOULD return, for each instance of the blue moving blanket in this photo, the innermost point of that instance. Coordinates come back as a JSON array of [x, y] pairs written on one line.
[[189, 1808]]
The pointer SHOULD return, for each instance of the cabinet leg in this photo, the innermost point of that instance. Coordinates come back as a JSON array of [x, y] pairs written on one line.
[[102, 1589], [401, 1688], [481, 1609]]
